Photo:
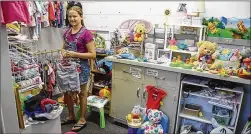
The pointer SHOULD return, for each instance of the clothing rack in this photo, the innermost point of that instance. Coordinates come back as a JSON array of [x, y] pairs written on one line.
[[92, 61], [47, 51]]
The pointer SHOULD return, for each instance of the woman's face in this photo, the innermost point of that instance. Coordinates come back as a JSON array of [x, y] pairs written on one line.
[[74, 18]]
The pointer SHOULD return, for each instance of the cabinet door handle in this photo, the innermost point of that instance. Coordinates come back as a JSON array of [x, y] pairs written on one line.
[[144, 94], [138, 92], [161, 78], [124, 71], [174, 98]]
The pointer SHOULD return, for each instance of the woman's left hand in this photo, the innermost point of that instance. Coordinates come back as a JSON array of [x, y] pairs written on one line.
[[69, 54]]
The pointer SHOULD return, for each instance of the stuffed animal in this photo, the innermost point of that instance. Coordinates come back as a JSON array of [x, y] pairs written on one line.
[[153, 126], [207, 50], [139, 34]]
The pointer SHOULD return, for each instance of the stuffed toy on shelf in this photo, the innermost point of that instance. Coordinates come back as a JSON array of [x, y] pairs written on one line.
[[245, 70], [206, 55], [140, 31]]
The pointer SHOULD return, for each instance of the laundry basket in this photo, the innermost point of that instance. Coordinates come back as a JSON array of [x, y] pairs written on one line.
[[192, 109]]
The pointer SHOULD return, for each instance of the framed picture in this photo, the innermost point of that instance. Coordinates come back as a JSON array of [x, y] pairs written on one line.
[[164, 55], [188, 30]]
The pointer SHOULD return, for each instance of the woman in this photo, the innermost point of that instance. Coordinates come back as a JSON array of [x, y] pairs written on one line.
[[78, 43]]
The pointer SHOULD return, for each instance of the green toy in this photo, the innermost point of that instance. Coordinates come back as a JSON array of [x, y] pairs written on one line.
[[188, 64], [176, 62]]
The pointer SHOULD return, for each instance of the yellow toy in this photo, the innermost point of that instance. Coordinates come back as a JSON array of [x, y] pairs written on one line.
[[105, 93], [212, 27], [207, 52], [139, 32], [134, 118]]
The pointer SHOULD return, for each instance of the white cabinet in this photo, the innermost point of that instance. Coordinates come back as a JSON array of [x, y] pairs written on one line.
[[128, 89]]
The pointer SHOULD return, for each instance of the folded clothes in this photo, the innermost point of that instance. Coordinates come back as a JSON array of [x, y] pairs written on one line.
[[45, 102], [52, 115]]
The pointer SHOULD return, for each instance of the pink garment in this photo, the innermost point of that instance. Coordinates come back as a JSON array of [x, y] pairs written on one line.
[[15, 11], [1, 15], [52, 79]]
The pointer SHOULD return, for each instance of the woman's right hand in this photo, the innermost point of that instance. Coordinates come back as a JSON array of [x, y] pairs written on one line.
[[64, 53]]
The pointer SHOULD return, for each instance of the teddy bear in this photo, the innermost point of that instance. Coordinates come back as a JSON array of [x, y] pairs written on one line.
[[207, 53], [139, 32], [153, 126]]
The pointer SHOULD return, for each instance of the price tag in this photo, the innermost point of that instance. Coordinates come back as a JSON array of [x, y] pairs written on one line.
[[152, 72]]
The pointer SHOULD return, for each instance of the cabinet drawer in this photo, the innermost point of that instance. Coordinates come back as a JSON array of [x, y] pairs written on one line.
[[160, 78], [127, 72]]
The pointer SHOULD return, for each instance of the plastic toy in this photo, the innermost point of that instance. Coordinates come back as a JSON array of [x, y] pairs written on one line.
[[105, 93], [139, 32], [182, 46], [245, 70], [172, 44], [135, 117], [153, 124], [176, 62], [227, 59], [236, 55], [188, 64], [202, 65]]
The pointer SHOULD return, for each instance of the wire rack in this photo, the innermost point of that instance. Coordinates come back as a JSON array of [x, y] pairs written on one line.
[[24, 65]]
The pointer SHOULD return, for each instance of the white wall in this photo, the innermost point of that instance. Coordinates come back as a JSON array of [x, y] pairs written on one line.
[[111, 14]]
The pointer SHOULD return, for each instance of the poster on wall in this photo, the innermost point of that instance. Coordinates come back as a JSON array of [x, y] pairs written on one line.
[[228, 27]]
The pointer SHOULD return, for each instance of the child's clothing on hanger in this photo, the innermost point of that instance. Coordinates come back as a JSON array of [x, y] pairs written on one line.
[[155, 95]]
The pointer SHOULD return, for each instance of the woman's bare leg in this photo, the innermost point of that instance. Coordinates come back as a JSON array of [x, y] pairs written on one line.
[[70, 106], [83, 105]]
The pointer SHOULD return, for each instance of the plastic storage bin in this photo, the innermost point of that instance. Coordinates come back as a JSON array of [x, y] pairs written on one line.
[[221, 119], [192, 109]]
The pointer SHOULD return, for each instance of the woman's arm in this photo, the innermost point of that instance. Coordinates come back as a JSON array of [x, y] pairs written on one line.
[[90, 55]]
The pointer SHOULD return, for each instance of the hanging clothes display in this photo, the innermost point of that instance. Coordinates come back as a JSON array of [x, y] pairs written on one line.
[[15, 11], [1, 15]]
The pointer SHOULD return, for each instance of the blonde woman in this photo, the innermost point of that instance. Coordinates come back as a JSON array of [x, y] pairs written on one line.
[[78, 43]]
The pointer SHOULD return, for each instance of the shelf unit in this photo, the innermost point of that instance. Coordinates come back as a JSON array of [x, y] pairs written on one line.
[[202, 33], [207, 116]]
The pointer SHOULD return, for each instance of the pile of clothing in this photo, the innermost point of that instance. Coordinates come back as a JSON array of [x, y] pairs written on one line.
[[41, 108]]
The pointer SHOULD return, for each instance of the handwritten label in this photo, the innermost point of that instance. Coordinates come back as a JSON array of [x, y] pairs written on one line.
[[136, 72], [152, 72]]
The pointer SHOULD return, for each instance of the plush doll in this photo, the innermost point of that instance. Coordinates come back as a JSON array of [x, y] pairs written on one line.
[[139, 32], [207, 53], [153, 126]]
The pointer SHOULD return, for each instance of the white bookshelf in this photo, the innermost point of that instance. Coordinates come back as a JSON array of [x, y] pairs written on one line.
[[207, 116]]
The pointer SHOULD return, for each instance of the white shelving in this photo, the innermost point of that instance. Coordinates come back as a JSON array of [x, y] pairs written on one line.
[[195, 26], [228, 102]]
